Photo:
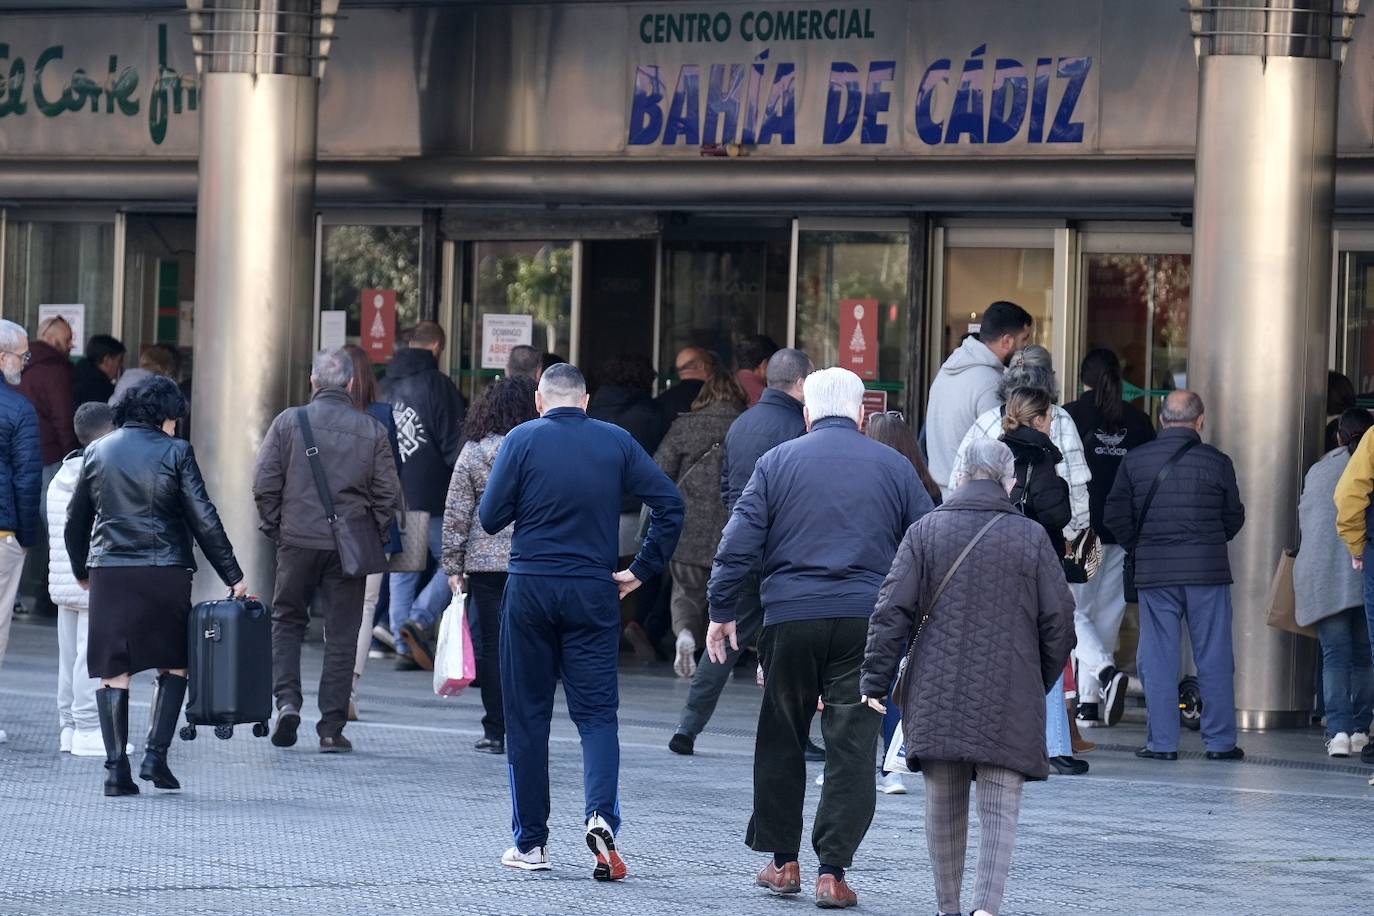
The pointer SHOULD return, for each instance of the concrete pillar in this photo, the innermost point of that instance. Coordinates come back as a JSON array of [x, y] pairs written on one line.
[[1261, 298], [254, 247]]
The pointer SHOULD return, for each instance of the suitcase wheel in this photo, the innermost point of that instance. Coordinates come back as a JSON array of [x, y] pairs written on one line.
[[224, 732], [188, 733], [260, 730]]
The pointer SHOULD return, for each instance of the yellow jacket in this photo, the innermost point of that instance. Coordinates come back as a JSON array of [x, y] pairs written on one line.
[[1352, 496]]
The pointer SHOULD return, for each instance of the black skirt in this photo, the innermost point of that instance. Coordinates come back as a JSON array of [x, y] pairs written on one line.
[[138, 619]]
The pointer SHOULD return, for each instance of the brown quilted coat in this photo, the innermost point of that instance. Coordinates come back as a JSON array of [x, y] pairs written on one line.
[[994, 645]]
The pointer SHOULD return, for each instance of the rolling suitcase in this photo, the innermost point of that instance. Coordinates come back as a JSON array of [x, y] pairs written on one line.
[[230, 667]]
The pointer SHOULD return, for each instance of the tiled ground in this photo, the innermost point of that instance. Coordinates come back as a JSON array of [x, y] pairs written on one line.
[[414, 821]]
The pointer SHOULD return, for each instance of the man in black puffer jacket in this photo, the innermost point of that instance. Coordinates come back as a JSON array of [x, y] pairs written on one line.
[[1181, 570], [429, 415]]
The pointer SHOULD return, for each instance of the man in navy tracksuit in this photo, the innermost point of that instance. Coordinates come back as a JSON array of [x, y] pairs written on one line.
[[561, 480]]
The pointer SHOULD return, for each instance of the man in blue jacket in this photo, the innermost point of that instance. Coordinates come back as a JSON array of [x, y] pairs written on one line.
[[825, 514], [1182, 572], [775, 419], [21, 473], [561, 480]]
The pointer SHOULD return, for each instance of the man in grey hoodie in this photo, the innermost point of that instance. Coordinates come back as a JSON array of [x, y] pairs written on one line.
[[967, 383]]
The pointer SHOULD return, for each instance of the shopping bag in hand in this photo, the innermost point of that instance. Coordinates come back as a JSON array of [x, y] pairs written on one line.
[[455, 667], [895, 761]]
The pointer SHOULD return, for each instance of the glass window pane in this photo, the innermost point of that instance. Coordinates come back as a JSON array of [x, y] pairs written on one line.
[[370, 257], [977, 277], [59, 263], [833, 269], [523, 278], [1359, 317]]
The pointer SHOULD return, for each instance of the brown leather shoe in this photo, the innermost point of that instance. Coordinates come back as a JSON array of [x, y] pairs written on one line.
[[833, 894], [785, 880]]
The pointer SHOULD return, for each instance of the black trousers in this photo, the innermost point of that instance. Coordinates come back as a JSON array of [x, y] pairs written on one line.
[[303, 575], [485, 590], [804, 660]]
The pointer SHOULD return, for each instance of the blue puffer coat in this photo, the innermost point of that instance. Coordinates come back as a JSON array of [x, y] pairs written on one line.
[[21, 470]]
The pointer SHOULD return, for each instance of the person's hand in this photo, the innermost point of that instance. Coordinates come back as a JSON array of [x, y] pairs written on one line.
[[85, 584], [458, 584], [238, 590], [1357, 562], [874, 704], [716, 636], [626, 581]]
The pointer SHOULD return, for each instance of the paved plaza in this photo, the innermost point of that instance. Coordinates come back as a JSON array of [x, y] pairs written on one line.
[[414, 821]]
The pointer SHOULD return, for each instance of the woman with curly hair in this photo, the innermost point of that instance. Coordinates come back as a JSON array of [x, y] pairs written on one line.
[[473, 555], [139, 501]]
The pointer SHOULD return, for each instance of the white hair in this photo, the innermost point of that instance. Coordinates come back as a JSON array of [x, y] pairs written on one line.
[[987, 459], [332, 368], [11, 336], [834, 392]]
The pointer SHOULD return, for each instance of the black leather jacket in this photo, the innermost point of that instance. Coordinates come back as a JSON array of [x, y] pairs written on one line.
[[139, 501]]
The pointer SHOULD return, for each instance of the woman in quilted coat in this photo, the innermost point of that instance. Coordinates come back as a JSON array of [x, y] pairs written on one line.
[[986, 650]]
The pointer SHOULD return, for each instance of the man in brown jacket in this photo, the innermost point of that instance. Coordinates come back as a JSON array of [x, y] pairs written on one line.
[[361, 474]]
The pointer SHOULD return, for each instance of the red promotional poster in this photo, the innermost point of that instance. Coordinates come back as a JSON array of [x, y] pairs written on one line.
[[379, 323], [859, 337], [874, 402]]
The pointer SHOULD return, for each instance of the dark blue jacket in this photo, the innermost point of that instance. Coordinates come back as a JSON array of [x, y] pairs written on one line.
[[429, 415], [1195, 512], [21, 471], [825, 512], [382, 411], [775, 419], [561, 480]]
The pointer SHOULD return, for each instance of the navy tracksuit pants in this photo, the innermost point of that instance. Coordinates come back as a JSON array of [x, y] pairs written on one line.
[[560, 628], [1207, 611]]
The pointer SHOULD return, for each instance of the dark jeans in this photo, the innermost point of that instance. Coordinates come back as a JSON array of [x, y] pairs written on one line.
[[711, 678], [304, 574], [803, 660], [485, 590], [1347, 681]]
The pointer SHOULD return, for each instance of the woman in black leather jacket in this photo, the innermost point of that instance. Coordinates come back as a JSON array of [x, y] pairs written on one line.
[[139, 501]]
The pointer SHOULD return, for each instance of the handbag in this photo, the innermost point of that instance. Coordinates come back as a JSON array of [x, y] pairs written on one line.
[[1282, 608], [1083, 558], [356, 537], [898, 687], [414, 554], [1128, 564], [455, 664]]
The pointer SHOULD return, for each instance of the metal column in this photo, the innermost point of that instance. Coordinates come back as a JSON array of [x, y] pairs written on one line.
[[260, 61], [1261, 286]]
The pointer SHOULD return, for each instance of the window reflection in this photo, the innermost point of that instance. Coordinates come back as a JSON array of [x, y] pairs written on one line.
[[1138, 306], [371, 257], [977, 277]]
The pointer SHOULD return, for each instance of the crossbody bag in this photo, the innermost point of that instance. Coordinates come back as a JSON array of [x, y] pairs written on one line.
[[356, 537], [1128, 565]]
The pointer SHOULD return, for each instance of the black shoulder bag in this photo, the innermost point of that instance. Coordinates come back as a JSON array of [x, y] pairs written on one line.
[[1128, 565], [356, 537]]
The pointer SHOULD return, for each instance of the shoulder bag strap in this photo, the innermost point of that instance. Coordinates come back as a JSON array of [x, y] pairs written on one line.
[[313, 453], [1159, 479], [698, 463]]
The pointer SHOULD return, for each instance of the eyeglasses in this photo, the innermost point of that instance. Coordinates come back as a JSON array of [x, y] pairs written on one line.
[[23, 357], [896, 414]]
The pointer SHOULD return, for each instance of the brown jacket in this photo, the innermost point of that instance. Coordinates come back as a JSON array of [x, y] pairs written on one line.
[[690, 454], [358, 464], [47, 383]]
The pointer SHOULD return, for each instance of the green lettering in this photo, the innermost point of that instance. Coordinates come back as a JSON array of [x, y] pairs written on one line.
[[868, 30], [675, 28], [813, 23], [786, 29], [746, 26], [644, 34], [12, 89], [54, 108]]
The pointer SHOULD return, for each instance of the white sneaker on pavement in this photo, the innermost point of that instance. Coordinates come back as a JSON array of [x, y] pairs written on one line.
[[64, 739], [1338, 745], [537, 859], [820, 780], [87, 742], [891, 784], [686, 662], [1358, 742], [3, 737], [601, 841]]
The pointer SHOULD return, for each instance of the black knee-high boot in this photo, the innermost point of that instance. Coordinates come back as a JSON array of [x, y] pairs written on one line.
[[167, 700], [112, 703]]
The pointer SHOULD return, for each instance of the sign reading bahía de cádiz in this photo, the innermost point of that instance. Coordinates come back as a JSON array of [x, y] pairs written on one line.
[[759, 98]]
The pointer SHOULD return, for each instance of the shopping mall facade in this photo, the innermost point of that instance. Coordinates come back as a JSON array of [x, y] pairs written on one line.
[[600, 177]]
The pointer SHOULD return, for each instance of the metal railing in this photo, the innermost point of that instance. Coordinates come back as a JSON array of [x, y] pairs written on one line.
[[1273, 28], [291, 37]]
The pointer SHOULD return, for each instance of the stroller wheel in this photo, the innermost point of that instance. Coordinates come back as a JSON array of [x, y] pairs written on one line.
[[1190, 703]]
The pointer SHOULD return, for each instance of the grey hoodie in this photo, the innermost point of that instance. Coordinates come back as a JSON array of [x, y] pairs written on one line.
[[965, 387]]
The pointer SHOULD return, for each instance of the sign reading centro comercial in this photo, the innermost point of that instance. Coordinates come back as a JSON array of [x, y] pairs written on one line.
[[831, 75]]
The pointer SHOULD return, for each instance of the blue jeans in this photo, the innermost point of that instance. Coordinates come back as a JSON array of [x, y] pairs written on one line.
[[1207, 609], [435, 596], [1347, 680]]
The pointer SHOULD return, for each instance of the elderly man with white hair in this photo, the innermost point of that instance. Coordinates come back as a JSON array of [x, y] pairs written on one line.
[[823, 514]]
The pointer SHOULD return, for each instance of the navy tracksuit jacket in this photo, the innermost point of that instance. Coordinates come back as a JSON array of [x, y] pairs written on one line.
[[561, 479]]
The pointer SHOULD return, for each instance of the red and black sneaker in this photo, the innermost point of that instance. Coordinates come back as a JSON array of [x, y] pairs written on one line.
[[601, 841]]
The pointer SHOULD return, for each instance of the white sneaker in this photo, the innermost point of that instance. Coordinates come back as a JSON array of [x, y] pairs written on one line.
[[64, 739], [1338, 746], [891, 784], [1358, 742], [537, 859], [820, 780], [601, 841], [686, 662], [87, 742], [3, 737]]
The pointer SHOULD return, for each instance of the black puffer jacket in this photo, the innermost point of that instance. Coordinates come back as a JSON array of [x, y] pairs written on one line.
[[139, 501], [1040, 493], [994, 644], [429, 415], [1196, 511]]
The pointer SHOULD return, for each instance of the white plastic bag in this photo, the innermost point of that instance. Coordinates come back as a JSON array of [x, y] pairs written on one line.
[[895, 760], [455, 666]]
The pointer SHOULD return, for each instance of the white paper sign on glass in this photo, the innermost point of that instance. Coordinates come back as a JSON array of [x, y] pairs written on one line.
[[333, 329], [501, 334], [75, 316]]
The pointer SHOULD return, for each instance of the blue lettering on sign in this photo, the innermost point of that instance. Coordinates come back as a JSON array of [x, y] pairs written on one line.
[[927, 128], [880, 73], [1009, 82], [722, 101], [966, 118], [684, 115], [844, 94]]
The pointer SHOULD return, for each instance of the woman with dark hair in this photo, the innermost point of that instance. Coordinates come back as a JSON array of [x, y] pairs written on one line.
[[367, 398], [690, 456], [138, 502], [1340, 397], [1109, 428], [1329, 595], [473, 555]]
